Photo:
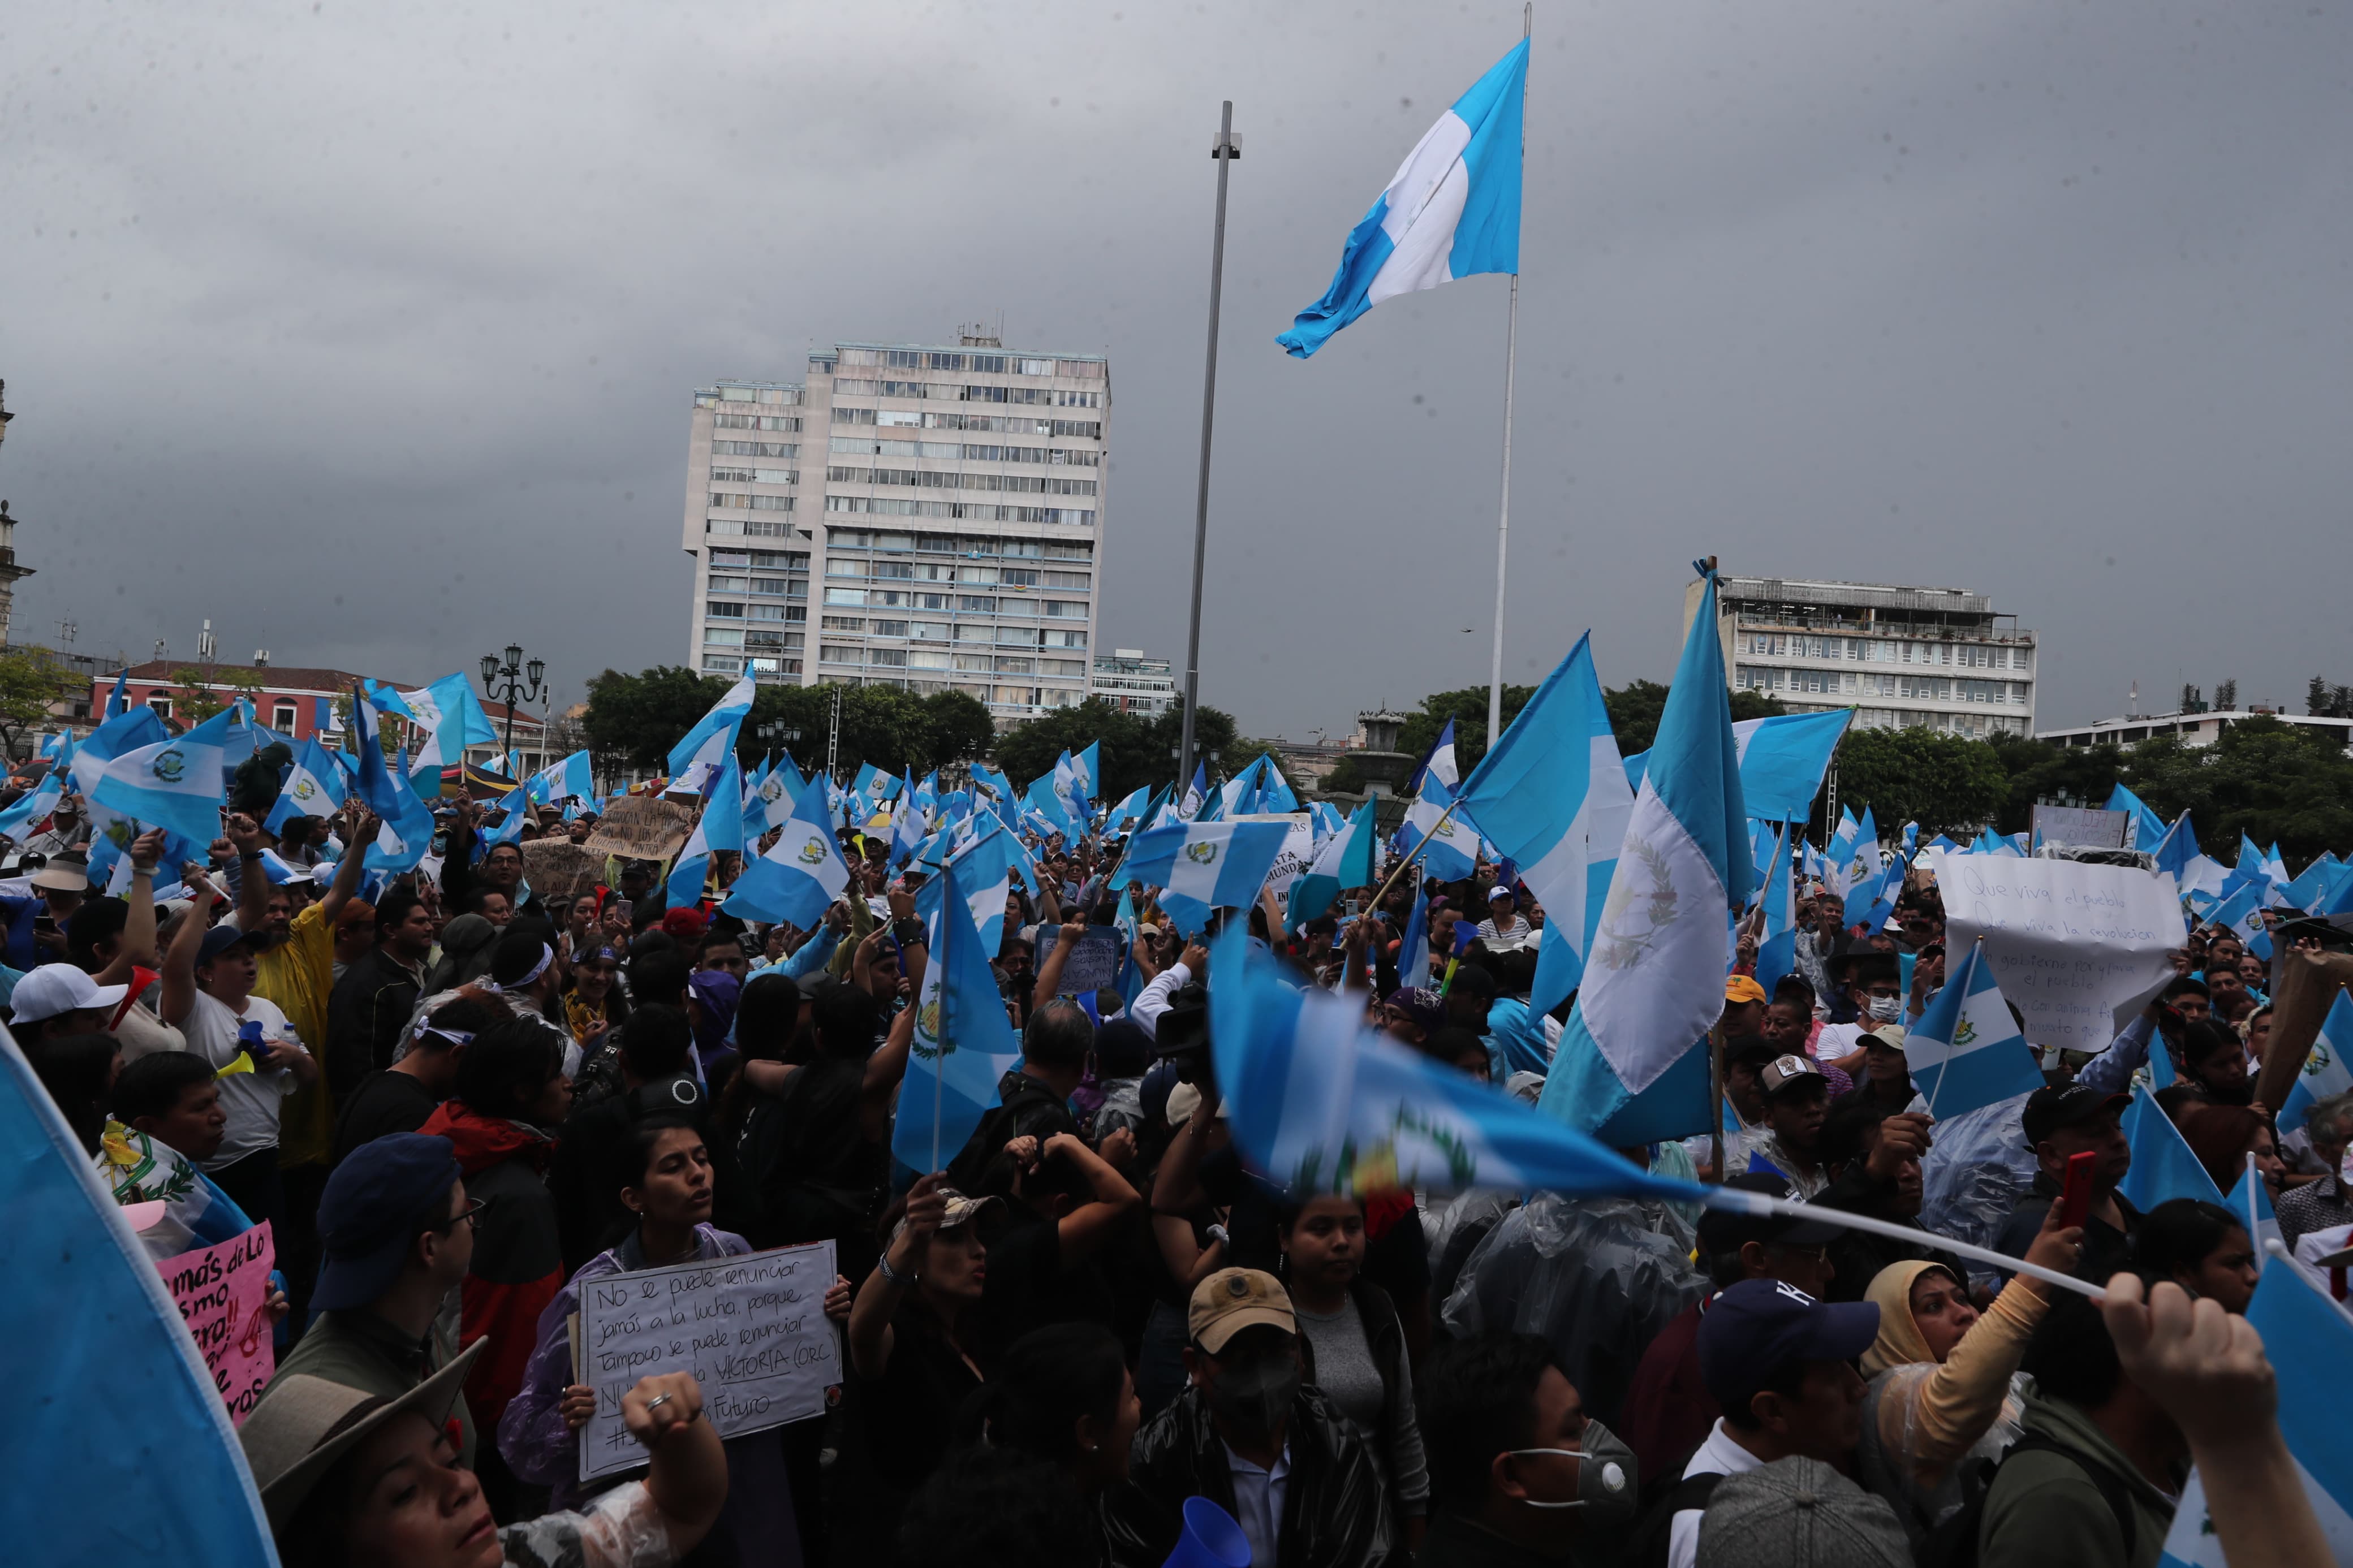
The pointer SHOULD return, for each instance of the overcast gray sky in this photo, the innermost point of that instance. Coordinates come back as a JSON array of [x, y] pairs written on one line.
[[368, 331]]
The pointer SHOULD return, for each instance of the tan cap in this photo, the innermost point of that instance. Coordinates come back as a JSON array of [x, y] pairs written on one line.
[[303, 1425], [1887, 1037], [1782, 1071], [1233, 1300], [962, 1210]]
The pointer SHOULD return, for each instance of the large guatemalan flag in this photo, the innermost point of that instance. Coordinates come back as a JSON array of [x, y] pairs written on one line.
[[1627, 1070], [1451, 209]]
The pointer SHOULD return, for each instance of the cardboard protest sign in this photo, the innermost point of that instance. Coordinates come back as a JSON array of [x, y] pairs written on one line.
[[2304, 987], [220, 1291], [641, 828], [752, 1329], [2077, 947], [559, 870], [1094, 967]]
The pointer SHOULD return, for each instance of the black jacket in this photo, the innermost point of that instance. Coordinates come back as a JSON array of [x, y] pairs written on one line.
[[1334, 1512], [2107, 1251], [1858, 1256], [1027, 1108], [367, 1013]]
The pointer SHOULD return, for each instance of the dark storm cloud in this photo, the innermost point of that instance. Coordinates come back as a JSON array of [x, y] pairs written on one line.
[[369, 337]]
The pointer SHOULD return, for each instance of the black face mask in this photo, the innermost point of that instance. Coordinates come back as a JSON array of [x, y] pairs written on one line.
[[1255, 1395]]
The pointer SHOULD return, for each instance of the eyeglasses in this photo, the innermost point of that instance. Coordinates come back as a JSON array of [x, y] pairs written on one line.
[[471, 1213]]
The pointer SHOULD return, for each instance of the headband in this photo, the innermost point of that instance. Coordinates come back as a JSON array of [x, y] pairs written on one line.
[[546, 957]]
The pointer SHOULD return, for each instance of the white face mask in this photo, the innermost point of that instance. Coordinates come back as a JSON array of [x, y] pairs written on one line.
[[1887, 1009], [1605, 1474]]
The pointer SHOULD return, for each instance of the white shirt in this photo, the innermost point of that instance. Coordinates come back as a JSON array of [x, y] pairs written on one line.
[[1838, 1041], [252, 1099], [1503, 938], [1719, 1455], [1257, 1503], [1153, 1000]]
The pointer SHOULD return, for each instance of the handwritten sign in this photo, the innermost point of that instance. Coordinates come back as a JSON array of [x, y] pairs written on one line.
[[641, 828], [220, 1291], [1093, 966], [2077, 948], [2082, 829], [752, 1329], [560, 870]]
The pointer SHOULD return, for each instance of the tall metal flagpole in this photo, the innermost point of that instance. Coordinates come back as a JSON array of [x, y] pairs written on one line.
[[1225, 149], [1504, 518]]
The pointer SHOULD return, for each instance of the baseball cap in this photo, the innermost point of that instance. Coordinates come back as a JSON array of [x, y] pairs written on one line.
[[1757, 1328], [1233, 1300], [1799, 1513], [217, 941], [1725, 1230], [1789, 1071], [1749, 1047], [2048, 1109], [1421, 1005], [303, 1425], [1500, 890], [960, 1211], [55, 988], [1742, 988], [1887, 1036], [372, 1208]]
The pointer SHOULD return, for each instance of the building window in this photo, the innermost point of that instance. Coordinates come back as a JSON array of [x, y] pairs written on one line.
[[720, 665], [161, 704], [281, 716]]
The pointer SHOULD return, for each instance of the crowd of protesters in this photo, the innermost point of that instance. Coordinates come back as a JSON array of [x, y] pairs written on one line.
[[461, 1100]]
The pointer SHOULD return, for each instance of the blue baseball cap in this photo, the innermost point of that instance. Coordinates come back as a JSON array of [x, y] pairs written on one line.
[[383, 1193], [1753, 1331]]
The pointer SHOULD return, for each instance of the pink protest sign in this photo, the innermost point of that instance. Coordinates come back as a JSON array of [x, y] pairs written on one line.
[[220, 1291]]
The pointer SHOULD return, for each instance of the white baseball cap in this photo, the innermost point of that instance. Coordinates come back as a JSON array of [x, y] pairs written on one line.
[[55, 988]]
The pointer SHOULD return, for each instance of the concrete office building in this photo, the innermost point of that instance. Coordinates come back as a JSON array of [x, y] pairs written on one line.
[[924, 518], [1942, 658], [1125, 678]]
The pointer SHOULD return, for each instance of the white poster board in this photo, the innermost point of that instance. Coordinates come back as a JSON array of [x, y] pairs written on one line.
[[1298, 851], [752, 1329], [2082, 829], [2077, 947]]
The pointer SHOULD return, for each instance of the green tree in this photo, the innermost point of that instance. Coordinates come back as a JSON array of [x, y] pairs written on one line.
[[1134, 751], [30, 680], [1467, 706], [635, 719], [1947, 783], [2274, 782], [2038, 770]]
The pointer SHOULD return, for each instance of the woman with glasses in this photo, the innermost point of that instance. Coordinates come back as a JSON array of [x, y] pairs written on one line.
[[666, 1183]]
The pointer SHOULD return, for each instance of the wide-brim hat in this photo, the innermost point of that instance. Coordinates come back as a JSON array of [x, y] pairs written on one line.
[[304, 1426]]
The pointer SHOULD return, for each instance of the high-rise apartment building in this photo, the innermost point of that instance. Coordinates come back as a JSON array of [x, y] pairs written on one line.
[[1941, 657], [923, 518]]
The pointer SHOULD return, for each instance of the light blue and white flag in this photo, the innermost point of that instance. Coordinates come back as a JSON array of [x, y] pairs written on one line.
[[963, 1043], [1551, 796], [119, 700], [314, 787], [1136, 806], [122, 1355], [571, 779], [1346, 860], [34, 805], [1627, 1068], [720, 827], [2251, 1198], [1861, 873], [2243, 912], [1777, 941], [2162, 1166], [2310, 1340], [1452, 210], [1321, 1103], [1783, 758], [1202, 866], [1440, 762], [452, 719], [1840, 851], [174, 785], [800, 875], [1967, 1052], [2148, 830], [701, 749], [1197, 795], [407, 830], [1447, 846], [1413, 952], [2327, 1066]]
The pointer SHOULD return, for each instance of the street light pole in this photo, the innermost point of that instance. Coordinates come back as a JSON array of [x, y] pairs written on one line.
[[509, 678], [1225, 149]]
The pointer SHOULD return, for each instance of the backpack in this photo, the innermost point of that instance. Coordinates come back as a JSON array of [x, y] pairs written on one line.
[[1955, 1542], [1654, 1532]]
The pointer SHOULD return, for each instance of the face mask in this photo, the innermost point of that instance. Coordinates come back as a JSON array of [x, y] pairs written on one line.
[[1887, 1009], [1606, 1477], [1255, 1397]]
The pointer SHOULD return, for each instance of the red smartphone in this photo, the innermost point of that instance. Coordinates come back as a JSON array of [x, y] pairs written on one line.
[[2075, 1195]]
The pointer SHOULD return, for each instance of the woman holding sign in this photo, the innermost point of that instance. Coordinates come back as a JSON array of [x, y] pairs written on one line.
[[667, 1185]]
